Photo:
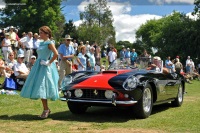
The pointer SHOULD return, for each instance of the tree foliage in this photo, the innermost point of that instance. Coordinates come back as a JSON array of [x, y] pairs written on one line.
[[29, 15], [70, 29], [196, 8], [97, 23], [172, 35]]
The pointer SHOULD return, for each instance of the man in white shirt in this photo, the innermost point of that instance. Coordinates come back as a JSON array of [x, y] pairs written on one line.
[[112, 55], [28, 45], [75, 46], [20, 69], [188, 65]]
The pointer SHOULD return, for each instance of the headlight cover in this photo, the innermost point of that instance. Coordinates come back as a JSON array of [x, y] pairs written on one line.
[[78, 93], [130, 83], [66, 80], [108, 94]]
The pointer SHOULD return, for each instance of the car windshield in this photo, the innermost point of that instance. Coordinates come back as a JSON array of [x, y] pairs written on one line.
[[141, 63], [120, 64]]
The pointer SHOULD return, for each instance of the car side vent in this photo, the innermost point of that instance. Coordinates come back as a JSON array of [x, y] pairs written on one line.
[[109, 72]]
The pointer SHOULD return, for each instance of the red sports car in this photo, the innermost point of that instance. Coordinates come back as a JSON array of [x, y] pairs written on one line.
[[123, 85]]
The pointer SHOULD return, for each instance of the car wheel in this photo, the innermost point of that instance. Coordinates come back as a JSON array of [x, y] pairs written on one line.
[[179, 99], [144, 106], [76, 108]]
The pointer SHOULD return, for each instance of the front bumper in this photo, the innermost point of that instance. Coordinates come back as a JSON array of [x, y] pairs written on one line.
[[116, 102]]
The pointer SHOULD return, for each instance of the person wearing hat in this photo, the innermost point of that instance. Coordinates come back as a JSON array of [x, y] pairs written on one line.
[[13, 37], [66, 52], [20, 69], [31, 63], [6, 46]]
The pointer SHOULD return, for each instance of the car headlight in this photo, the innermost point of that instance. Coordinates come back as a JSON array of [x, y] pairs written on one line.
[[78, 93], [130, 83], [66, 80], [108, 94]]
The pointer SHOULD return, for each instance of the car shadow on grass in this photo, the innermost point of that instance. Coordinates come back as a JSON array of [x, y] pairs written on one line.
[[94, 114]]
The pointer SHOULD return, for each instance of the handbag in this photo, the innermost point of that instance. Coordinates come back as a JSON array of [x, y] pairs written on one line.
[[10, 84]]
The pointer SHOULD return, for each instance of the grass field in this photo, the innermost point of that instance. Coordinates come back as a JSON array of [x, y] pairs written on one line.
[[20, 115]]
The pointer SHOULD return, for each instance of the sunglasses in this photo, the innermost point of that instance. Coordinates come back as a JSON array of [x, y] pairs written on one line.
[[11, 55], [68, 40], [21, 57], [33, 58]]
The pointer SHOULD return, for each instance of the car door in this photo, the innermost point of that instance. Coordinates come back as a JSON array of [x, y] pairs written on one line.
[[160, 82], [172, 85]]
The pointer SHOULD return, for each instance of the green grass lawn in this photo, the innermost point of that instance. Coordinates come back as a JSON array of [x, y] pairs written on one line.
[[20, 115]]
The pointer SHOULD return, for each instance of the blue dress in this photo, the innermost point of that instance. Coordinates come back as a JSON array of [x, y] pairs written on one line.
[[42, 81]]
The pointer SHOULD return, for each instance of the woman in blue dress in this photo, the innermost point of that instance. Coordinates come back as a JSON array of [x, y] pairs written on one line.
[[42, 81]]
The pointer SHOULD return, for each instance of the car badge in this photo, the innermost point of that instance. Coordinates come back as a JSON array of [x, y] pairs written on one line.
[[95, 81], [95, 92]]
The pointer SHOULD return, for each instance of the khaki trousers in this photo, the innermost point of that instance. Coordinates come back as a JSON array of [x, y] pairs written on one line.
[[65, 69]]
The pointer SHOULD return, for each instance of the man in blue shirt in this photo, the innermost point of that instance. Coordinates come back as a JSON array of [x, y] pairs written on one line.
[[169, 64], [133, 57], [66, 52]]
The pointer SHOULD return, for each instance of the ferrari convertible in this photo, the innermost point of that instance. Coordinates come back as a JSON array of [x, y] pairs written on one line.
[[121, 84]]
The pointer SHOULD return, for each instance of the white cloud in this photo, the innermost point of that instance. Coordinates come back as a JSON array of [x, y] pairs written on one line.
[[194, 17], [77, 23], [125, 24], [159, 2], [2, 4]]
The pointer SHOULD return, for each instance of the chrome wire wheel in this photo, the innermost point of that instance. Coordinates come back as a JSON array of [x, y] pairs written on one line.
[[147, 100]]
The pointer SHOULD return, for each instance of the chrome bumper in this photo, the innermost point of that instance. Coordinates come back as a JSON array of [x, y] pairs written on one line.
[[105, 102]]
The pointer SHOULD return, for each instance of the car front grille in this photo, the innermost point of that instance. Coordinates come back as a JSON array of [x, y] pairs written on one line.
[[91, 94]]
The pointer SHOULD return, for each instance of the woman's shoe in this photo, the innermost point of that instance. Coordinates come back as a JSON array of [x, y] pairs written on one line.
[[45, 114]]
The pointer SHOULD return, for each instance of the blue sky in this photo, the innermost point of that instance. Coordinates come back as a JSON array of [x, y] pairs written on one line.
[[130, 14]]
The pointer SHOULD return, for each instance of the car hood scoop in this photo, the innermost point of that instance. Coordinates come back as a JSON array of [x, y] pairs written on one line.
[[109, 72]]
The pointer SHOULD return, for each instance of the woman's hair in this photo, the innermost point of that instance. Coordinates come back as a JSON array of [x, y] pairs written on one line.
[[46, 30], [83, 47]]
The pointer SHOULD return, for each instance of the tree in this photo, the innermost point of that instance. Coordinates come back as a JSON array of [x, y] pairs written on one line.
[[196, 8], [29, 15], [172, 35], [70, 29], [97, 23]]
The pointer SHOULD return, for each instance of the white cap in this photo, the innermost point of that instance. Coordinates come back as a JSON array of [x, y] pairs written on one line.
[[33, 56], [20, 56]]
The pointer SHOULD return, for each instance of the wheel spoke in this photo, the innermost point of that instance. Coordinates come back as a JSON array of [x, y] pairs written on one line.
[[147, 100]]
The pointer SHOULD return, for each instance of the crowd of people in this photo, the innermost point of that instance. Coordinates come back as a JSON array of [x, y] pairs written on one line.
[[44, 75], [72, 56]]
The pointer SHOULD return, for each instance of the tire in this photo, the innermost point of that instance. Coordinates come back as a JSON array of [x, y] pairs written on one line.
[[77, 108], [144, 106], [179, 99]]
